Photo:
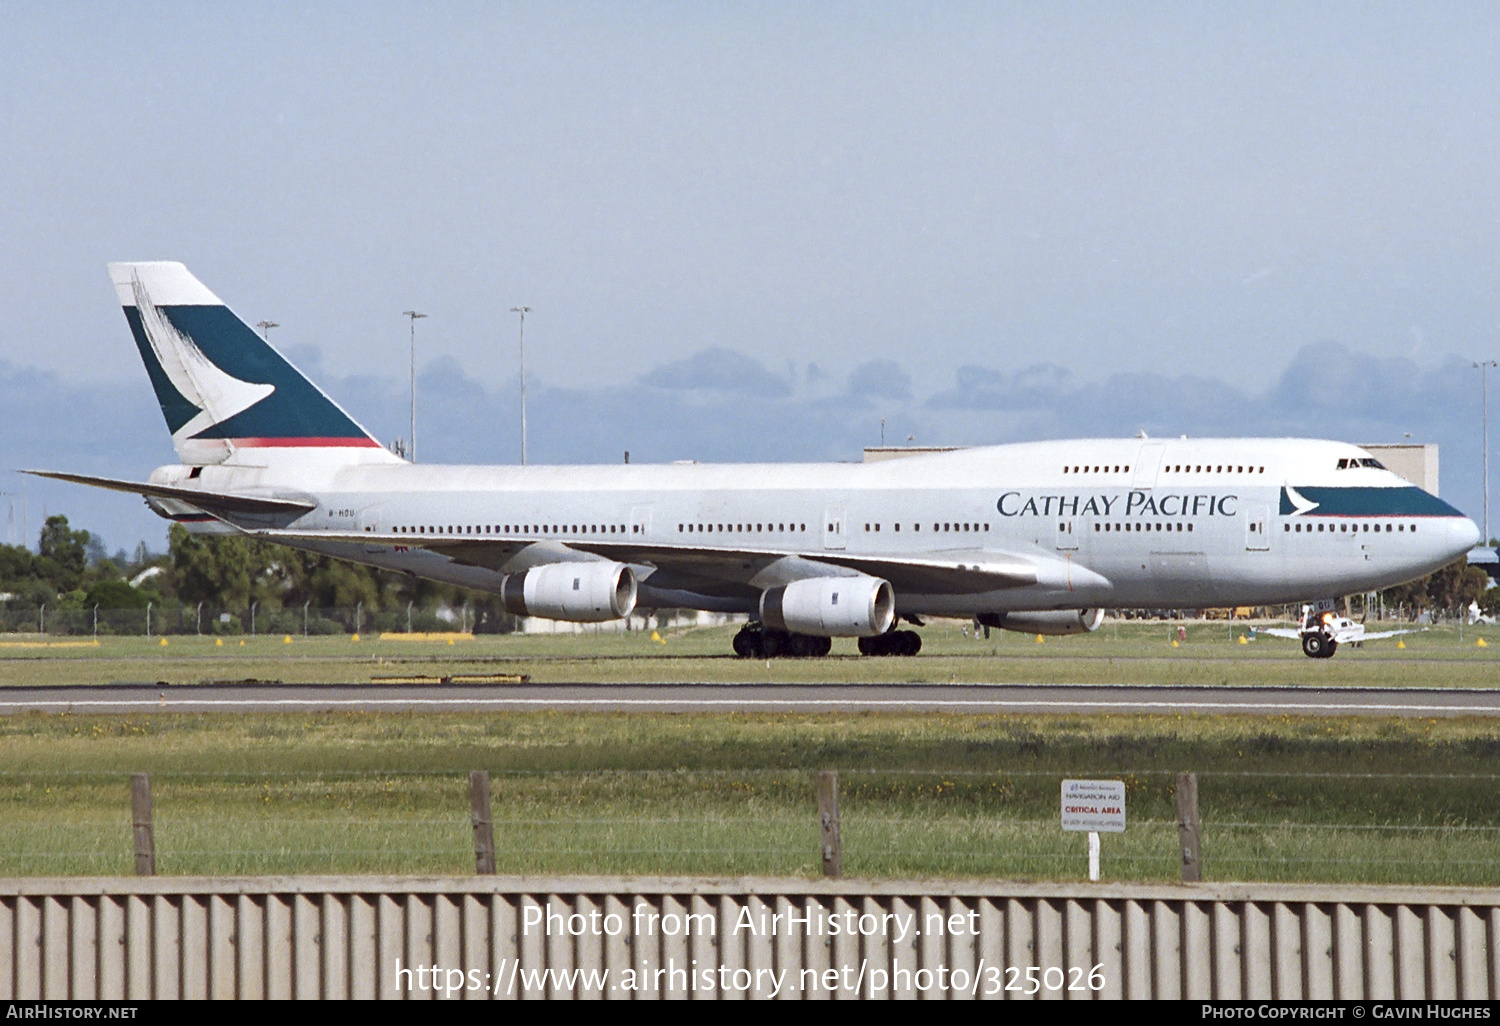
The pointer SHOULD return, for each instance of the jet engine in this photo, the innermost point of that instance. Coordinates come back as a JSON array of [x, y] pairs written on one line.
[[831, 607], [577, 592], [1046, 621]]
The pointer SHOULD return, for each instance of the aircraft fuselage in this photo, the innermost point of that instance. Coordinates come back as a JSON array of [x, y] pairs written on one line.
[[1107, 523]]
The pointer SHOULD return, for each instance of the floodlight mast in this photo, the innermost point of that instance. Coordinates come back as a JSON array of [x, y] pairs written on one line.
[[414, 317], [1484, 401], [523, 311]]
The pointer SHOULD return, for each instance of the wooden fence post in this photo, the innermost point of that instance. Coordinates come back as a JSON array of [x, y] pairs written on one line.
[[140, 815], [1189, 828], [828, 819], [484, 832]]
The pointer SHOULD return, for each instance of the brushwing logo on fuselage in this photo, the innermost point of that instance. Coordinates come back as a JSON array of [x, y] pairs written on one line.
[[218, 396], [1299, 505]]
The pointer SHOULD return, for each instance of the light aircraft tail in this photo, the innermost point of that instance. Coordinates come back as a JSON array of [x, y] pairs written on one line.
[[226, 394]]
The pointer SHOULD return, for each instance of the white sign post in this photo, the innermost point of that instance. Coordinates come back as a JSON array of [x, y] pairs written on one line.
[[1093, 806]]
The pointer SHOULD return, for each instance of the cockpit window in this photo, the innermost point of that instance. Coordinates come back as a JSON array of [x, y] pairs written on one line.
[[1352, 464], [1368, 462]]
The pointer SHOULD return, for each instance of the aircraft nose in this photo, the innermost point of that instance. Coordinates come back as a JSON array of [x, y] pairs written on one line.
[[1463, 535]]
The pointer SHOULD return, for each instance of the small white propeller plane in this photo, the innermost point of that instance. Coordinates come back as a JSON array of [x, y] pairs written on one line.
[[1323, 631]]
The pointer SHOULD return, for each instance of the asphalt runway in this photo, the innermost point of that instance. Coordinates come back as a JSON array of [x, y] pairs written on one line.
[[811, 698]]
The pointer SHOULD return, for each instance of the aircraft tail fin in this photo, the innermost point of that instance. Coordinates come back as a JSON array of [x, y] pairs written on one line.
[[226, 394]]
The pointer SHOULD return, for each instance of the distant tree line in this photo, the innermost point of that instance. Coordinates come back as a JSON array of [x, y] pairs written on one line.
[[71, 571], [1446, 593]]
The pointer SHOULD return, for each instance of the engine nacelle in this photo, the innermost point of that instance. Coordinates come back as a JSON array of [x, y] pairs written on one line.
[[577, 592], [832, 607], [1046, 621]]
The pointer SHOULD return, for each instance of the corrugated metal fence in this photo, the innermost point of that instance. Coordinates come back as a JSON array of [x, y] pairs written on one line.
[[473, 937]]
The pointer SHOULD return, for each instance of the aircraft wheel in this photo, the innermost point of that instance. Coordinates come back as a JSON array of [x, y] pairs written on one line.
[[1315, 645], [746, 642], [1330, 649], [911, 643], [802, 646], [773, 644], [869, 646]]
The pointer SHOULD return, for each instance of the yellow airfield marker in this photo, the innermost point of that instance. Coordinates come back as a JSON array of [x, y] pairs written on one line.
[[448, 636], [656, 637], [1040, 639], [242, 642], [1174, 642], [1243, 640], [1400, 644], [1481, 643], [219, 642], [354, 637], [163, 642], [287, 640]]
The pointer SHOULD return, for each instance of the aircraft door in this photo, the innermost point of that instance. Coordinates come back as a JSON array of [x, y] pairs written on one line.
[[1257, 527], [1067, 535], [1147, 463], [834, 536]]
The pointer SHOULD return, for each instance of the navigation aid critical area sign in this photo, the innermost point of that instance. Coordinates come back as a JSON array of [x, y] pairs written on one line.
[[1097, 806]]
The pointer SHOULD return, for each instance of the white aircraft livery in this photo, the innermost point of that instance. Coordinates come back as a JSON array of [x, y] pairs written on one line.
[[1039, 537]]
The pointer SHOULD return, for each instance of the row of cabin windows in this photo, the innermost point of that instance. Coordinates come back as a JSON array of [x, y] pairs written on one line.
[[515, 529], [740, 528], [1179, 468], [1202, 468], [1349, 528], [1138, 527], [935, 527]]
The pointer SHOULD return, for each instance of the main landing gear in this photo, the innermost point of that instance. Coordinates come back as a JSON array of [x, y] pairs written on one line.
[[757, 642], [892, 643]]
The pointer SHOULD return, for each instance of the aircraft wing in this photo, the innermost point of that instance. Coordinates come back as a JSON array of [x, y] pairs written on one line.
[[1390, 634], [1295, 634], [220, 504], [967, 572], [960, 571]]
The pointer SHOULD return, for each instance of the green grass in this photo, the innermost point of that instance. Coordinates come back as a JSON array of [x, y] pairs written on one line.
[[1127, 653], [1408, 801]]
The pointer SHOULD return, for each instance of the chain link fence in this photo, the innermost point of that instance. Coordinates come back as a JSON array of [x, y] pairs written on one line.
[[247, 621], [894, 823]]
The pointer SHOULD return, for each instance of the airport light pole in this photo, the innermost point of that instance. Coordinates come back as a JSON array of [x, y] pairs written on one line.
[[414, 316], [1484, 401], [523, 311], [265, 329]]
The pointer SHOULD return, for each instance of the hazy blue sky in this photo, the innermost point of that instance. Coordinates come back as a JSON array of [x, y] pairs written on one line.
[[818, 214]]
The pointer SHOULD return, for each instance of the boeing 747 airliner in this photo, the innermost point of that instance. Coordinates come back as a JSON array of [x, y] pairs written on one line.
[[1040, 537]]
